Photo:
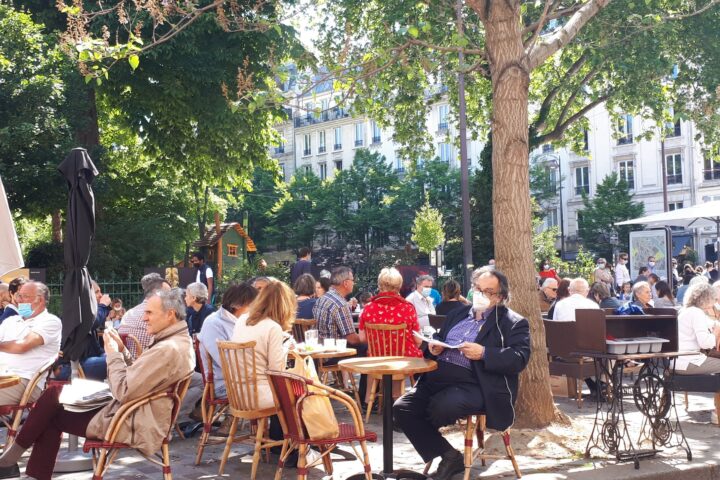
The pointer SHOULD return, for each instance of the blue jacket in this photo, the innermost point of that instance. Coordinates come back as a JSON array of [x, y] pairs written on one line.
[[506, 338], [195, 319]]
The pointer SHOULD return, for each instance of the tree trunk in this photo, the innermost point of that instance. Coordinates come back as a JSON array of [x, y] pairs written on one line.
[[88, 136], [511, 199], [57, 234]]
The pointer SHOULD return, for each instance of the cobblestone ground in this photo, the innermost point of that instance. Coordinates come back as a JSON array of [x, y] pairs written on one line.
[[554, 454]]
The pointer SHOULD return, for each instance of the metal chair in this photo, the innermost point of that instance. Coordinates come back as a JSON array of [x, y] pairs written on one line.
[[475, 426], [436, 321], [384, 340], [211, 406], [238, 367], [300, 326], [290, 391], [108, 448], [15, 412]]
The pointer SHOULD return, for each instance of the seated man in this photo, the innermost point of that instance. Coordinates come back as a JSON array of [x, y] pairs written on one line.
[[132, 322], [422, 300], [480, 376], [547, 294], [29, 340], [168, 360], [565, 308], [196, 297]]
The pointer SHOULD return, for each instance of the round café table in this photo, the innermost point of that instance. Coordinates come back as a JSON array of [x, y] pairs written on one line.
[[9, 381], [387, 367], [322, 354]]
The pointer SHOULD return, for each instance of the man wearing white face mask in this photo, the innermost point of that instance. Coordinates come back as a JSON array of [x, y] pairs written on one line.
[[28, 340], [479, 376], [421, 299]]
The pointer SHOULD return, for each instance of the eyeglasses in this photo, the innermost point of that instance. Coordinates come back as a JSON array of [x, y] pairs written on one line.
[[554, 289], [486, 292]]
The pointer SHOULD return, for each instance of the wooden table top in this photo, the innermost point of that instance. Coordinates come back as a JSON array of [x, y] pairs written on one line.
[[9, 381], [324, 354], [388, 365]]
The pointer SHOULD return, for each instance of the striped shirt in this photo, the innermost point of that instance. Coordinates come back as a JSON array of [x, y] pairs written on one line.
[[132, 323], [334, 319], [464, 331]]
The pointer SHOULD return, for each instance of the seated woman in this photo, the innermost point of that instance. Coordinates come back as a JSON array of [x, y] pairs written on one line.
[[389, 307], [665, 297], [304, 288], [451, 298], [625, 294], [601, 294], [642, 294], [697, 331], [322, 286], [220, 326], [168, 360]]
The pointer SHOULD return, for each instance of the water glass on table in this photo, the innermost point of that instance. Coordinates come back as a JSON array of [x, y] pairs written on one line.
[[311, 338], [341, 344]]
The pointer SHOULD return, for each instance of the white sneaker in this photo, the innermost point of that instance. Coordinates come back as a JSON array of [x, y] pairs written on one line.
[[714, 418]]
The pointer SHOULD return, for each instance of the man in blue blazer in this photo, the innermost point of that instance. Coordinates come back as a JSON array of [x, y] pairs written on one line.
[[479, 376]]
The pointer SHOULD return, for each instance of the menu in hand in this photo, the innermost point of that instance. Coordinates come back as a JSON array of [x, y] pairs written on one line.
[[432, 341]]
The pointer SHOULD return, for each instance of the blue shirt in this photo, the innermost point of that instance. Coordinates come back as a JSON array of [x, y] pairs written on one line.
[[464, 331], [334, 319]]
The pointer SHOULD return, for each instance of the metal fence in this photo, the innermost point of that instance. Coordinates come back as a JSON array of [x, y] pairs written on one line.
[[127, 290]]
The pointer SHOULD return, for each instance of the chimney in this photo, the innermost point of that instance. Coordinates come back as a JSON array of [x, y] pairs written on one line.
[[217, 223]]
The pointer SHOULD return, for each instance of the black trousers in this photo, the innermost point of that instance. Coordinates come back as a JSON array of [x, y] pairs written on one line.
[[440, 398]]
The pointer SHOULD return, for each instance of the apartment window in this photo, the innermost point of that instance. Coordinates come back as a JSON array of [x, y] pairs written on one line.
[[281, 147], [554, 175], [626, 171], [579, 217], [375, 132], [338, 164], [359, 134], [308, 169], [308, 110], [625, 129], [443, 111], [673, 168], [673, 129], [675, 206], [282, 171], [324, 107], [321, 142], [586, 140], [232, 250], [711, 170], [547, 148], [582, 181], [338, 139], [551, 218], [308, 145], [323, 171], [445, 151], [399, 166]]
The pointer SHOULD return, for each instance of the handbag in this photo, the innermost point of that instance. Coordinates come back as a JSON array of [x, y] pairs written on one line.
[[317, 413]]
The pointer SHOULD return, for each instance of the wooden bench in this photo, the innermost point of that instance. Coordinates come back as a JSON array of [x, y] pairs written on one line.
[[561, 340]]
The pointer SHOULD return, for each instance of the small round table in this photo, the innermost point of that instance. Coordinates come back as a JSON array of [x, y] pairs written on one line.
[[328, 354], [387, 367], [9, 381]]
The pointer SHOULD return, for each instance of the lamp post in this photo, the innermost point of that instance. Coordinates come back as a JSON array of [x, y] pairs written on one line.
[[555, 163]]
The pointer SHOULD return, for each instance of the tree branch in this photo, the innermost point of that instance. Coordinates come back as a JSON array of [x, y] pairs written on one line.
[[559, 129], [541, 51], [540, 23], [545, 107], [574, 95], [553, 15]]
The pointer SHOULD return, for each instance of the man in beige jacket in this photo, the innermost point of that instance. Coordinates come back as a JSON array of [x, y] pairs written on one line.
[[169, 359]]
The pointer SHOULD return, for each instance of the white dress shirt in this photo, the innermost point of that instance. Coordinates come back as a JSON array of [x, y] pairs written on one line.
[[621, 274], [565, 308], [423, 306]]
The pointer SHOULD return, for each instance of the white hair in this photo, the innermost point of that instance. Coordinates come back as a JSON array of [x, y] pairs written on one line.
[[699, 279], [549, 281], [578, 285], [199, 291]]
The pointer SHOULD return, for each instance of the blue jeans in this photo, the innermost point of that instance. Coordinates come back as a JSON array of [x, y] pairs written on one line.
[[95, 368]]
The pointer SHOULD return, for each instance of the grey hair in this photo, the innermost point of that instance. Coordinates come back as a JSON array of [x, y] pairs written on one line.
[[151, 282], [548, 281], [638, 285], [424, 278], [172, 300], [699, 295], [339, 275], [700, 279], [198, 290], [41, 290], [479, 271], [578, 285]]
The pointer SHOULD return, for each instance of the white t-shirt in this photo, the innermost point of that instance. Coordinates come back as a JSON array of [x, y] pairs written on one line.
[[208, 273], [423, 306], [565, 308], [27, 364], [694, 333]]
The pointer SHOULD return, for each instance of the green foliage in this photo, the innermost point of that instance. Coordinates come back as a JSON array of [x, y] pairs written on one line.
[[298, 215], [428, 230], [245, 271], [612, 203]]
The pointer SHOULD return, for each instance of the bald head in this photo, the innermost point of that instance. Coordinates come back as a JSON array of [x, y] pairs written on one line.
[[579, 286]]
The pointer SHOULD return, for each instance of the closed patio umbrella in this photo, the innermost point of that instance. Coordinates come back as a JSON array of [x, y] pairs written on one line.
[[10, 254], [79, 304]]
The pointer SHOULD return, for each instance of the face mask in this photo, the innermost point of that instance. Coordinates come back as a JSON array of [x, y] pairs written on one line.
[[426, 292], [480, 302], [651, 264], [623, 262], [601, 265], [25, 310], [546, 267], [117, 309]]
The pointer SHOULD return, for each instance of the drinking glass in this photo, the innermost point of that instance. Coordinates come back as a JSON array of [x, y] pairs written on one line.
[[329, 342], [341, 343], [311, 337]]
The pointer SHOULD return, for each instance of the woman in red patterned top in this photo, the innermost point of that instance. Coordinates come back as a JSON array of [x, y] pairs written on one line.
[[389, 307]]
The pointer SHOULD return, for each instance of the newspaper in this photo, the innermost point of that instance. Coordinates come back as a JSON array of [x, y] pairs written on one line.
[[432, 341], [85, 395]]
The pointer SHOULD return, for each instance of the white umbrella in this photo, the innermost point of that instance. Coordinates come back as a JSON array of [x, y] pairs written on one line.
[[10, 254], [698, 216]]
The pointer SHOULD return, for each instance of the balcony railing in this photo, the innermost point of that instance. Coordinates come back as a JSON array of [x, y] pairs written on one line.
[[674, 179], [324, 116], [337, 146], [322, 149], [279, 150], [712, 174], [359, 143], [582, 189], [376, 139], [442, 126], [673, 130], [307, 152], [626, 140]]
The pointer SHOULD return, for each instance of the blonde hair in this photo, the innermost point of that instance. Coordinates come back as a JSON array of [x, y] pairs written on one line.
[[390, 280], [277, 302]]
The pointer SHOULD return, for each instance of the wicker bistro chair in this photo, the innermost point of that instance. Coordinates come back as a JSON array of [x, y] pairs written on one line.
[[475, 426], [300, 326], [290, 392], [11, 415], [132, 344], [238, 367], [384, 341], [211, 406], [105, 450]]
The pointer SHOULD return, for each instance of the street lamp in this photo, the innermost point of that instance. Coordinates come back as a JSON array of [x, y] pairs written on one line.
[[554, 161]]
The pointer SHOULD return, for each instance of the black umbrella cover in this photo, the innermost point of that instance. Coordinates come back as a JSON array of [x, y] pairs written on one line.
[[79, 303]]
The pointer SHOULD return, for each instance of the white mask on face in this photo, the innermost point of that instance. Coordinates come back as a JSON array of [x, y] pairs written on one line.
[[426, 292], [600, 265], [546, 267], [480, 302], [651, 264]]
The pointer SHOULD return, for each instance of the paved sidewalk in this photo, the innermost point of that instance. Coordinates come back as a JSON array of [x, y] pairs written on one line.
[[553, 453]]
